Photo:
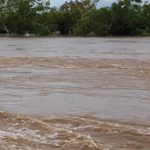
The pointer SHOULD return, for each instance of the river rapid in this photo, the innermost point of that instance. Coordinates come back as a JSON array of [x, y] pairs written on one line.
[[75, 93]]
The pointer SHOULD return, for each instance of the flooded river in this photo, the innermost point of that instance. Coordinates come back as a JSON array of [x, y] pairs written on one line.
[[75, 93]]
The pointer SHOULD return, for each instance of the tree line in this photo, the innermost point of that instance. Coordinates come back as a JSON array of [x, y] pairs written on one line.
[[75, 18]]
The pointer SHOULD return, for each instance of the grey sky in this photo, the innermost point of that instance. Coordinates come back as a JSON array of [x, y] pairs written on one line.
[[102, 3]]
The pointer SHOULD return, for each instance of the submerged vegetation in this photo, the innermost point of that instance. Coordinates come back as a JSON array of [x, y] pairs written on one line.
[[79, 18]]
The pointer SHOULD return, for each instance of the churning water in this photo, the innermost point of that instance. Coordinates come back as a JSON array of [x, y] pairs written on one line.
[[80, 93]]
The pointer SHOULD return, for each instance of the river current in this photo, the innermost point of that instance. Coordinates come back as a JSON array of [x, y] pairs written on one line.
[[75, 93]]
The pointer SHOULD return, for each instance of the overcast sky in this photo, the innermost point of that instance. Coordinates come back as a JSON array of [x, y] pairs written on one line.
[[102, 3]]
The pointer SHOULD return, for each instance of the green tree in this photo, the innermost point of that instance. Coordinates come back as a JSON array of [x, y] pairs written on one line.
[[74, 16], [146, 19], [46, 23], [79, 17], [65, 22], [19, 16], [101, 20], [125, 15]]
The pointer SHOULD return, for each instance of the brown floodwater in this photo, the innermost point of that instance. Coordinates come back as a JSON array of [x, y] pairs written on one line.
[[75, 93]]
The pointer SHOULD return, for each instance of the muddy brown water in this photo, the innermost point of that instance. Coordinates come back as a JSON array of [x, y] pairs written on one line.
[[80, 93]]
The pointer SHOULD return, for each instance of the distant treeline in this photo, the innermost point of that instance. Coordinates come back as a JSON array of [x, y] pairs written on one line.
[[75, 18]]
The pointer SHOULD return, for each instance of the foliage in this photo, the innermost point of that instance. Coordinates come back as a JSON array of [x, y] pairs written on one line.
[[79, 17]]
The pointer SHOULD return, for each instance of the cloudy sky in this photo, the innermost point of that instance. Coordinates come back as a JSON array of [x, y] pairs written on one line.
[[101, 3]]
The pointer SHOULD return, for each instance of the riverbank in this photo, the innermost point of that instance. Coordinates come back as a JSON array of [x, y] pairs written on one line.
[[70, 36]]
